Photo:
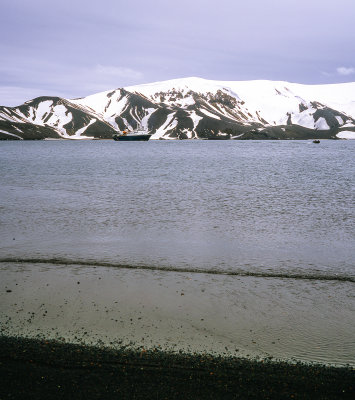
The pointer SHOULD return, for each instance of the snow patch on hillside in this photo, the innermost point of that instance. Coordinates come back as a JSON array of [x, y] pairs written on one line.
[[170, 123], [144, 121], [340, 120], [10, 134], [321, 124], [79, 132], [7, 115], [209, 114], [304, 118], [22, 116], [346, 135], [43, 109], [61, 116], [195, 119], [96, 102], [348, 125]]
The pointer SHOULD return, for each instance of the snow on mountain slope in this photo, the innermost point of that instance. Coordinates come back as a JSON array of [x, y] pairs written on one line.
[[267, 100], [192, 108], [258, 92], [58, 116], [118, 108]]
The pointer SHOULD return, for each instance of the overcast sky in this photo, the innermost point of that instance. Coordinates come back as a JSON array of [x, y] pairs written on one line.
[[73, 48]]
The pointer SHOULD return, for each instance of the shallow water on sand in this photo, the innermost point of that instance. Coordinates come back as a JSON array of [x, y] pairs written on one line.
[[277, 216]]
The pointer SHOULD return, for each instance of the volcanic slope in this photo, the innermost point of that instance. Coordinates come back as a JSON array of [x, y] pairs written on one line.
[[191, 108]]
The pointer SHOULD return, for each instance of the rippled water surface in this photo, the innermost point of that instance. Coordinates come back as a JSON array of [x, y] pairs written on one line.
[[265, 208], [247, 205]]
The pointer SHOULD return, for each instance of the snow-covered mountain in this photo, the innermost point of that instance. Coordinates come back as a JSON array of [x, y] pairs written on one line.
[[191, 108]]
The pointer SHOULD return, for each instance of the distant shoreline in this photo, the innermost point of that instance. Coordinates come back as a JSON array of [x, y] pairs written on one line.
[[85, 139], [32, 368]]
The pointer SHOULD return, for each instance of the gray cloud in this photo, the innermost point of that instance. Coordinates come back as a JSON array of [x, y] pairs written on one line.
[[117, 72], [77, 47], [34, 79], [346, 71]]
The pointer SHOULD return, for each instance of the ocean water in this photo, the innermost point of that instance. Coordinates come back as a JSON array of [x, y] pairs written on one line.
[[280, 210]]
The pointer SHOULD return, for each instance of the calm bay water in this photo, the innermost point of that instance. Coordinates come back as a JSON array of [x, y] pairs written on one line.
[[242, 207], [280, 206]]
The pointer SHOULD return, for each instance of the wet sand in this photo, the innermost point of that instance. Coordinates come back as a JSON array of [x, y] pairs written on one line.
[[41, 369], [254, 317]]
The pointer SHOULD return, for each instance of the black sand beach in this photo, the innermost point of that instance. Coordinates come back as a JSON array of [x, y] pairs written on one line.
[[39, 369]]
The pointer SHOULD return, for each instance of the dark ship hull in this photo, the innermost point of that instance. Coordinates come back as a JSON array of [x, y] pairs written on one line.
[[131, 138]]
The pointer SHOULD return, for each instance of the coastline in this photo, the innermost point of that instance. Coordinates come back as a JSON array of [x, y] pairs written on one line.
[[32, 368]]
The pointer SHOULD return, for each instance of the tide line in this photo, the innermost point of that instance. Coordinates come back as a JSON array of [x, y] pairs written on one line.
[[241, 273]]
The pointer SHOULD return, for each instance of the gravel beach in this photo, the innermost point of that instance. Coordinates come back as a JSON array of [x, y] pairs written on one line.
[[40, 369]]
